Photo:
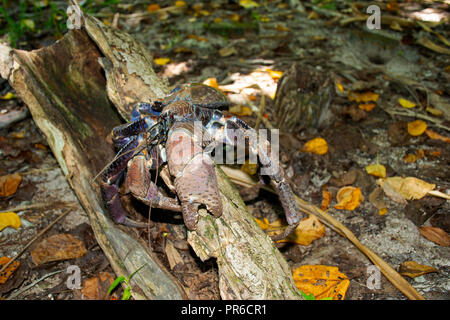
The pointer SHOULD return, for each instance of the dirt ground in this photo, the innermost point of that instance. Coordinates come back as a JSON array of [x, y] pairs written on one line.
[[241, 48]]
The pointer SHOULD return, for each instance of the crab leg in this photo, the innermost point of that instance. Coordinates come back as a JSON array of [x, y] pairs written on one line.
[[110, 179], [233, 132]]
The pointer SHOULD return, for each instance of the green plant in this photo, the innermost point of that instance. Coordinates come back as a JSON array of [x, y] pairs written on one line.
[[311, 296], [127, 291], [15, 27]]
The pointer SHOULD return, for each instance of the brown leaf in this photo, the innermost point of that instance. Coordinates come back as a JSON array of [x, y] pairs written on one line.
[[173, 255], [57, 247], [413, 269], [9, 270], [95, 288], [9, 184], [437, 235]]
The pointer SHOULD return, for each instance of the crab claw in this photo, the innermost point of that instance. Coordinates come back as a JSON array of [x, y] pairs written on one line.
[[195, 177], [197, 187]]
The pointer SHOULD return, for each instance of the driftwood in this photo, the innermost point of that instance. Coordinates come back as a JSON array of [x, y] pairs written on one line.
[[69, 99]]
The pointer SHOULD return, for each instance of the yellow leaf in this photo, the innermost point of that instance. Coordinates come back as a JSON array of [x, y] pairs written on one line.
[[410, 158], [382, 211], [321, 281], [228, 51], [217, 20], [434, 111], [409, 188], [363, 97], [153, 7], [180, 3], [340, 87], [6, 274], [281, 28], [313, 15], [9, 184], [250, 168], [8, 96], [198, 38], [413, 269], [234, 17], [367, 106], [434, 135], [248, 4], [28, 23], [9, 219], [161, 61], [18, 134], [212, 82], [349, 198], [316, 145], [377, 170], [406, 103], [275, 75], [241, 111], [417, 128], [308, 230], [326, 199]]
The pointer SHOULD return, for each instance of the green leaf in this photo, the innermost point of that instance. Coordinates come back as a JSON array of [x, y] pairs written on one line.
[[115, 284], [126, 294], [307, 296]]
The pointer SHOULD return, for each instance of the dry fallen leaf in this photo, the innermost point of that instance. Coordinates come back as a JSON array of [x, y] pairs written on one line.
[[227, 51], [250, 168], [406, 103], [212, 82], [410, 158], [9, 184], [349, 198], [436, 235], [153, 7], [173, 255], [326, 199], [308, 230], [433, 135], [248, 4], [377, 170], [57, 247], [95, 288], [367, 106], [321, 281], [316, 145], [413, 269], [417, 127], [240, 111], [161, 61], [4, 276], [409, 188], [363, 97], [9, 219]]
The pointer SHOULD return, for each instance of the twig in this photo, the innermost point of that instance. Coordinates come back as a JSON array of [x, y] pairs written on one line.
[[15, 294], [37, 206], [34, 239], [408, 113]]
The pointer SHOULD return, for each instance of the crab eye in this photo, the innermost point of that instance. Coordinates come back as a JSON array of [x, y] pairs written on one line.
[[157, 106]]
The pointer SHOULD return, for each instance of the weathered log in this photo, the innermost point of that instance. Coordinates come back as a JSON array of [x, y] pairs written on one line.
[[72, 109]]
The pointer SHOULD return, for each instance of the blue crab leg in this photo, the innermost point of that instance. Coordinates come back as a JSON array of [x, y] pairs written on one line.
[[110, 179]]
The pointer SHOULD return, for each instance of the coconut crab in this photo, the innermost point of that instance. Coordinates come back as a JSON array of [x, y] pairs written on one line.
[[175, 135]]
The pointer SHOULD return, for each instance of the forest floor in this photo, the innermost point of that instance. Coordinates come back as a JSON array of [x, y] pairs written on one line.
[[375, 85]]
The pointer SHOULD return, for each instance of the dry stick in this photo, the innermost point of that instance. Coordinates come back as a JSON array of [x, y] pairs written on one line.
[[34, 239], [37, 206], [393, 276]]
